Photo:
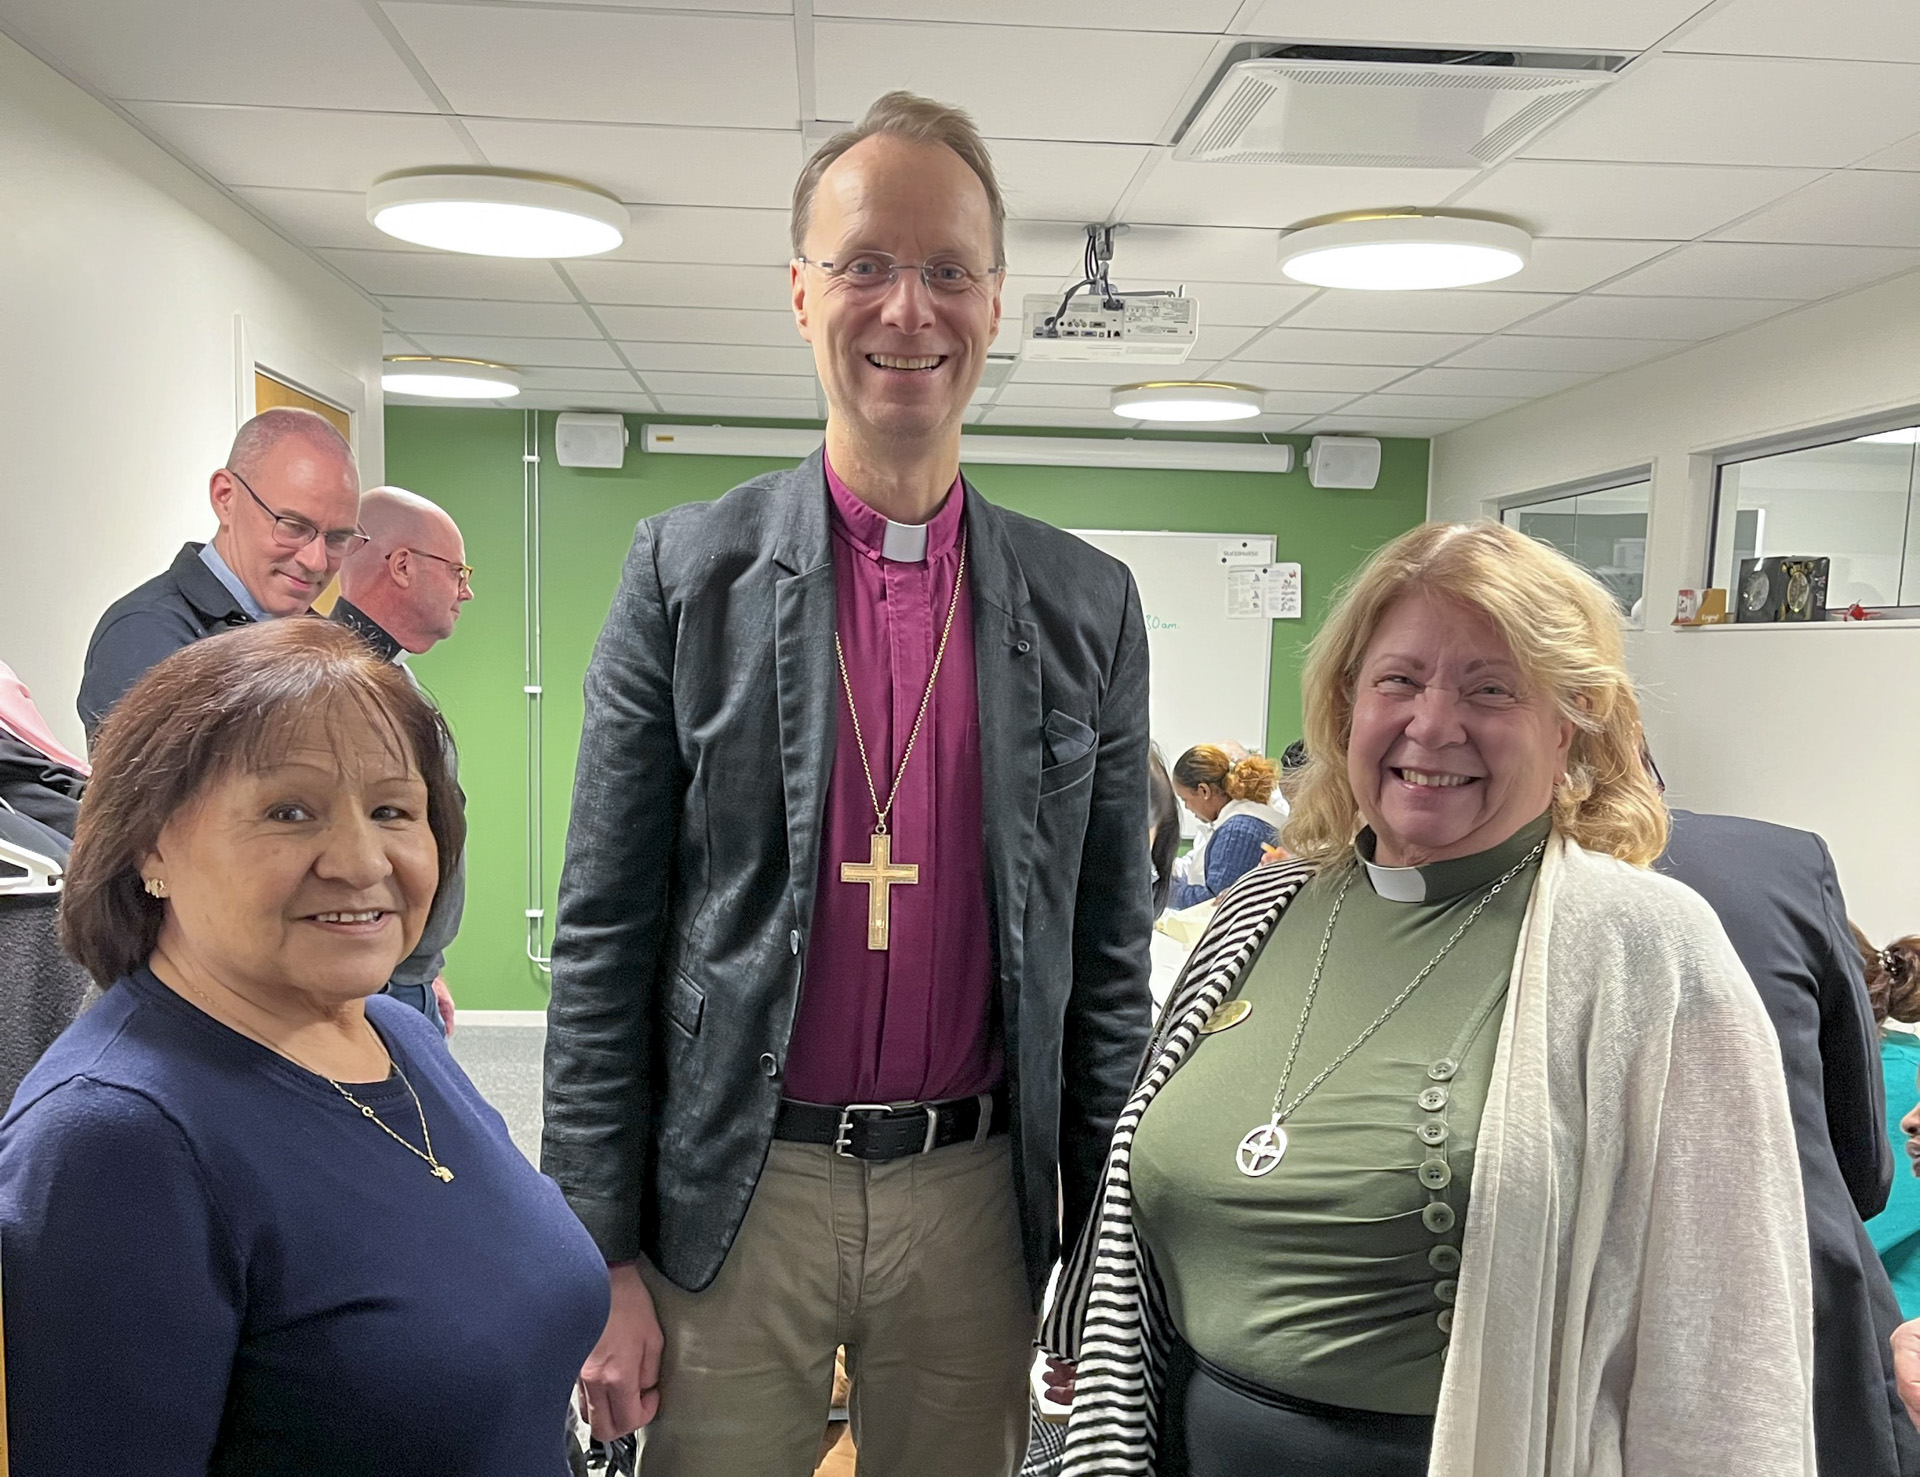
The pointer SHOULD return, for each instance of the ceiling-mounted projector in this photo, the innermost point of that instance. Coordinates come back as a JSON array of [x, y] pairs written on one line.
[[1096, 324]]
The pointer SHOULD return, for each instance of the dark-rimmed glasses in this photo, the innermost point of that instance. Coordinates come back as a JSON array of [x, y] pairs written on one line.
[[290, 531], [875, 271], [462, 573]]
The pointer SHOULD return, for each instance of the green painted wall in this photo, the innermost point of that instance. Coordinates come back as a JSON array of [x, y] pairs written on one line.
[[469, 461]]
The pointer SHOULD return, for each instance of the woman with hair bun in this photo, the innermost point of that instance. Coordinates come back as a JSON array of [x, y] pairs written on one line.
[[1893, 989], [1233, 799]]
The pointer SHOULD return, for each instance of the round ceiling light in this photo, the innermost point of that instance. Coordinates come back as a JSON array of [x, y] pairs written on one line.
[[1405, 252], [497, 213], [1187, 400], [437, 378]]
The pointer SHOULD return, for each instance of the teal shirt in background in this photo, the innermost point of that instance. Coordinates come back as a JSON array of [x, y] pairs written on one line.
[[1896, 1230]]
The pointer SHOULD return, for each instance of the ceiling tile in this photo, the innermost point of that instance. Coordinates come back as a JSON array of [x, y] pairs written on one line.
[[1043, 372], [686, 233], [444, 274], [1903, 155], [1857, 208], [1421, 312], [701, 325], [1873, 30], [1278, 195], [1648, 202], [1084, 397], [757, 7], [741, 405], [1045, 179], [1019, 82], [680, 285], [1331, 346], [302, 148], [1040, 416], [719, 358], [730, 386], [286, 53], [1578, 355], [1453, 379], [393, 343], [658, 166], [324, 218], [1618, 25], [1208, 344], [1741, 110], [1352, 379], [1651, 317], [1346, 423], [577, 380], [1434, 407], [1571, 264], [600, 400], [606, 66], [1203, 16], [1244, 304], [1759, 269], [1305, 402], [466, 315], [580, 353]]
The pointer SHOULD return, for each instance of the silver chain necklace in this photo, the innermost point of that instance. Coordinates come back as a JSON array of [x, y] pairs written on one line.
[[1264, 1147]]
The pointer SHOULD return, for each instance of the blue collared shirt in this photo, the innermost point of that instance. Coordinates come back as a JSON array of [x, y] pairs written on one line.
[[210, 557]]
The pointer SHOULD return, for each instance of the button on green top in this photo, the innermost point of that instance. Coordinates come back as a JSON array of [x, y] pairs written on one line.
[[1433, 1131], [1444, 1259], [1434, 1099], [1441, 1070], [1436, 1174], [1438, 1217]]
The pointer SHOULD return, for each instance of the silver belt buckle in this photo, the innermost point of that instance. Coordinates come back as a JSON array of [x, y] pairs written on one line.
[[843, 1131]]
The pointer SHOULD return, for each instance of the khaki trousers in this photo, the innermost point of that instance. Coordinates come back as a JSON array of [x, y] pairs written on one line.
[[915, 1266]]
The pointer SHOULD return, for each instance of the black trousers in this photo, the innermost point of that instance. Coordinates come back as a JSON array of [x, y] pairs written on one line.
[[1217, 1424]]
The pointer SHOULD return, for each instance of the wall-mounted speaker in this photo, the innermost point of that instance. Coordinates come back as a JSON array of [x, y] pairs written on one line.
[[581, 440], [1343, 461]]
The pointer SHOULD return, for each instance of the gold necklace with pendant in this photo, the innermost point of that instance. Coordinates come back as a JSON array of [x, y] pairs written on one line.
[[1263, 1148], [438, 1170]]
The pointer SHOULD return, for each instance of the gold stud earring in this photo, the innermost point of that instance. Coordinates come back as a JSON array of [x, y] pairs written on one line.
[[156, 887]]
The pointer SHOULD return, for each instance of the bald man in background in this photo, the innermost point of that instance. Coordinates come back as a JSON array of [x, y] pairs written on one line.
[[401, 592], [285, 498]]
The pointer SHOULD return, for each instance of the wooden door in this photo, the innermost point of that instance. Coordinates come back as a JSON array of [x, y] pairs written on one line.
[[268, 393]]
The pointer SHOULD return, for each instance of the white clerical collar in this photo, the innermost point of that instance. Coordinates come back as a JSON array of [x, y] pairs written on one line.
[[905, 542], [1397, 884]]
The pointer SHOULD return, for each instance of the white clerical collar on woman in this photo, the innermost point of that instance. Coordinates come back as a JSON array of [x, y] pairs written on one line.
[[905, 542], [1395, 884]]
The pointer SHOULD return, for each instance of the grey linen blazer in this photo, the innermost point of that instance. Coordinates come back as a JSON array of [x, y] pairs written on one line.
[[1778, 897], [692, 858]]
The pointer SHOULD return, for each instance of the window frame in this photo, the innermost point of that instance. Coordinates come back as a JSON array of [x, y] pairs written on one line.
[[1580, 487], [1833, 433]]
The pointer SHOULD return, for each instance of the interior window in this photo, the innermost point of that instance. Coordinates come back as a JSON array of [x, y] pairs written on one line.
[[1603, 530]]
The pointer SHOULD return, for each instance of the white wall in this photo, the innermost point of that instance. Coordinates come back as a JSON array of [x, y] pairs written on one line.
[[123, 277], [1811, 726]]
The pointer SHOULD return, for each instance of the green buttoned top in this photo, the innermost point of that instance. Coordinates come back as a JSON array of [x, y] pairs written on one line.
[[1332, 1278]]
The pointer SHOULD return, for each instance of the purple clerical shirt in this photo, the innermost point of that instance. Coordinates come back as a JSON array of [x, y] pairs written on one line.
[[912, 1022]]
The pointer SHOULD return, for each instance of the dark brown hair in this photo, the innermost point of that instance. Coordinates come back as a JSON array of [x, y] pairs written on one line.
[[233, 702], [918, 120], [1163, 816], [1251, 778], [1893, 976]]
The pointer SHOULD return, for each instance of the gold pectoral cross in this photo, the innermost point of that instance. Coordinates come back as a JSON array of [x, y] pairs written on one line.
[[880, 874]]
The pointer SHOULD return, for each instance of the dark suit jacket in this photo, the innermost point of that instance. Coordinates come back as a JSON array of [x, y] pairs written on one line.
[[147, 625], [1779, 899], [692, 856]]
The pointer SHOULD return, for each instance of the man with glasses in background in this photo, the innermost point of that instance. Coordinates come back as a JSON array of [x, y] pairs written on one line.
[[850, 975], [288, 504], [401, 592]]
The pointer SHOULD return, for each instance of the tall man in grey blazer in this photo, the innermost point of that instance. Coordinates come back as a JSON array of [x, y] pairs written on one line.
[[850, 976]]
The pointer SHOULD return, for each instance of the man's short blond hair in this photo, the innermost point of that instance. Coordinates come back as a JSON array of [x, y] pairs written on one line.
[[905, 115]]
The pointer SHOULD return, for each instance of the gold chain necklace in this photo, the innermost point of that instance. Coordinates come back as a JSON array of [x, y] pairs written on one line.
[[1263, 1148], [434, 1166], [880, 872]]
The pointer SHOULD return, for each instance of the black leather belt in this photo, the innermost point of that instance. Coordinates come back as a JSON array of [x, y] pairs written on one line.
[[879, 1132]]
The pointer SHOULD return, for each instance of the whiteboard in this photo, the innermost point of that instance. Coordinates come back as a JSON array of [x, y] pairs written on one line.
[[1210, 671]]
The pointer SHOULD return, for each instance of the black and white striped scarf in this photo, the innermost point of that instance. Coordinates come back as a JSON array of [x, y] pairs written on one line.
[[1109, 1313]]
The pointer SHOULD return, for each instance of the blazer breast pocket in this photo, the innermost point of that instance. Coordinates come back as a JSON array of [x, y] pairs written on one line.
[[1068, 746]]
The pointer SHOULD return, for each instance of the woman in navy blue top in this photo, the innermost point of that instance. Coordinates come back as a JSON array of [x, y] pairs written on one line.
[[252, 1221], [1232, 799]]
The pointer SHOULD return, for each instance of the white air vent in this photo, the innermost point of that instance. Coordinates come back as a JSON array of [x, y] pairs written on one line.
[[1378, 114]]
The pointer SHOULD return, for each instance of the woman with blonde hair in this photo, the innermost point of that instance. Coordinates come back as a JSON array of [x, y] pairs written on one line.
[[1231, 796], [1462, 1147]]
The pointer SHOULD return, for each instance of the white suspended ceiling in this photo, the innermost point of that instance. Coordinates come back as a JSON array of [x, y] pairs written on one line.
[[1755, 155]]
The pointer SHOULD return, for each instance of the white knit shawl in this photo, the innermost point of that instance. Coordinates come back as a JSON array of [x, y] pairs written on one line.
[[1634, 1293]]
